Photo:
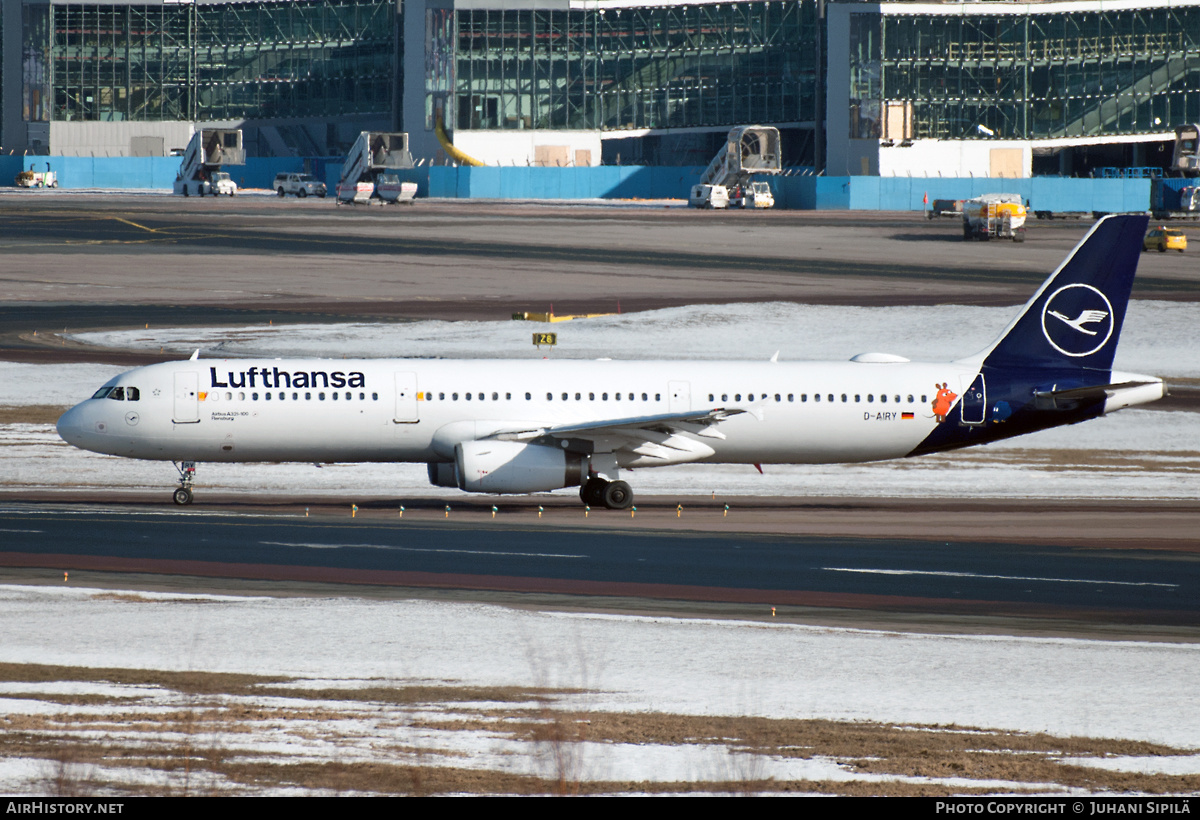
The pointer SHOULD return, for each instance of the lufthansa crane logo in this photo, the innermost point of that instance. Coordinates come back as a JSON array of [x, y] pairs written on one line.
[[1077, 320]]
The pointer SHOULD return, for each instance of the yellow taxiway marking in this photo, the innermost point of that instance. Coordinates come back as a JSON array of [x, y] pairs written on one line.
[[134, 224]]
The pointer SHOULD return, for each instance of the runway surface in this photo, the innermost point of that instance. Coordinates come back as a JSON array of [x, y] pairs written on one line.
[[995, 577]]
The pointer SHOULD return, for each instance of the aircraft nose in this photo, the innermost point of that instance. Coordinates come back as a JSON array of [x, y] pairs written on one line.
[[70, 425]]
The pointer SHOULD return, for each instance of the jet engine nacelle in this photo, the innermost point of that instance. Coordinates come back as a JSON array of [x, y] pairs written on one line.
[[512, 467]]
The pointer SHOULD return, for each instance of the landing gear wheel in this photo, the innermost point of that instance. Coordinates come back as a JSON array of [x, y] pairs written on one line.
[[182, 496], [592, 492], [618, 496]]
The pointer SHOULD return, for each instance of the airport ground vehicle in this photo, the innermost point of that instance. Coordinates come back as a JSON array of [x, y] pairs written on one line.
[[1163, 239], [376, 154], [736, 174], [391, 190], [208, 151], [302, 185], [753, 195], [945, 207], [37, 179], [709, 196], [994, 216], [536, 425]]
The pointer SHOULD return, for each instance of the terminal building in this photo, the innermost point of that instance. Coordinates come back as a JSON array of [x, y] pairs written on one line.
[[856, 89]]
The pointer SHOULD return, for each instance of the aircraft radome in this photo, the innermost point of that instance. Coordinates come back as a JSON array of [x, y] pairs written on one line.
[[530, 426]]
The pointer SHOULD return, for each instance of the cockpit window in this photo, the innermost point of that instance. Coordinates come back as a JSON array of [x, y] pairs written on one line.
[[132, 394], [117, 394], [102, 392]]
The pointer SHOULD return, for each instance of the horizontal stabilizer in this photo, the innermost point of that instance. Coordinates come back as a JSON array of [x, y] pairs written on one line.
[[1098, 391]]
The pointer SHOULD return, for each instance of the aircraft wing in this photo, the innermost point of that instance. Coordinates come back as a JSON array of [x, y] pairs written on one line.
[[695, 421], [653, 439]]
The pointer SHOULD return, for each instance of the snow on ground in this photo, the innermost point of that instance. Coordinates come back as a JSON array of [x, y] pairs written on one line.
[[1114, 689]]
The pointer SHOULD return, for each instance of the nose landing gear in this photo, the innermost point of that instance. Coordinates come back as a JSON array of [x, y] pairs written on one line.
[[187, 474]]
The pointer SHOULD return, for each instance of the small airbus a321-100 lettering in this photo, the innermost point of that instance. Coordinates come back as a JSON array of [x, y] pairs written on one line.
[[492, 426]]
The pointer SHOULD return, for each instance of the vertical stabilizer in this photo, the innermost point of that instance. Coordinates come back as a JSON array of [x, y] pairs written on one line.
[[1074, 320]]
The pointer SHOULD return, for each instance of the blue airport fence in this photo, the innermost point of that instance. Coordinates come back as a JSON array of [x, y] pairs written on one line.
[[797, 189]]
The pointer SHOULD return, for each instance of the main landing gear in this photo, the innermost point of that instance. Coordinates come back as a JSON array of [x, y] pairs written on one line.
[[615, 495], [187, 474]]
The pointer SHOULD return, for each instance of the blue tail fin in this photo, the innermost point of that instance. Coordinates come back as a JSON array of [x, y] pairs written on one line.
[[1075, 318]]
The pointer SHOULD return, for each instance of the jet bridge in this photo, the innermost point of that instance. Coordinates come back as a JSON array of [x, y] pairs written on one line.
[[369, 168], [200, 171], [749, 151]]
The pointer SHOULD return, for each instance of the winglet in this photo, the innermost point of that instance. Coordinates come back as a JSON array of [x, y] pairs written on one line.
[[195, 356], [775, 358]]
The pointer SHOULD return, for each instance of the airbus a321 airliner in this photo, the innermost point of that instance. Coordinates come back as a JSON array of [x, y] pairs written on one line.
[[530, 426]]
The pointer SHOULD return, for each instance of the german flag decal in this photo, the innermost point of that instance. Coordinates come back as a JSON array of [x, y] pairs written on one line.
[[906, 416]]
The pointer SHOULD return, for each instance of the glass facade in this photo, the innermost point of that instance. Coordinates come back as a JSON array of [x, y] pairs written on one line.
[[658, 67], [209, 62], [1029, 76]]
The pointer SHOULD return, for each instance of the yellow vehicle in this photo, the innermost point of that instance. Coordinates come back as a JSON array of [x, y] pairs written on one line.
[[1163, 238]]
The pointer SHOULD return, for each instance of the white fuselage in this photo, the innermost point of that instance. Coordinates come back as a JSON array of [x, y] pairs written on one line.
[[385, 410]]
